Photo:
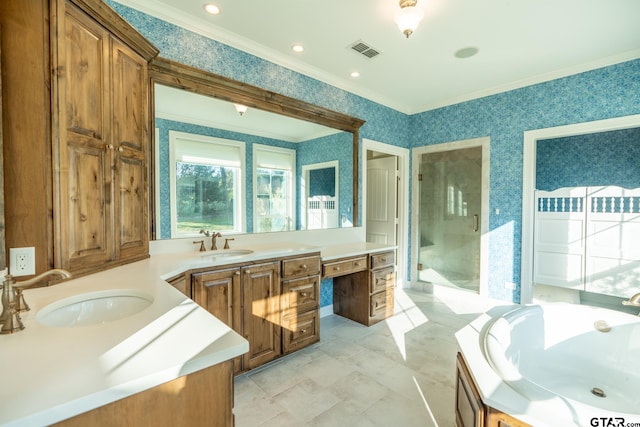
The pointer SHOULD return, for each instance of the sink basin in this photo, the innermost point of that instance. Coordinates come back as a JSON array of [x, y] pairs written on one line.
[[94, 308], [222, 253]]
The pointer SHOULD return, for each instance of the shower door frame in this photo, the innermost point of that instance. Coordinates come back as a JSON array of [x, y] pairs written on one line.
[[417, 152]]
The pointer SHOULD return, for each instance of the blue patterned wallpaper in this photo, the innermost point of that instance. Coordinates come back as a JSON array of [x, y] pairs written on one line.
[[599, 94], [605, 158]]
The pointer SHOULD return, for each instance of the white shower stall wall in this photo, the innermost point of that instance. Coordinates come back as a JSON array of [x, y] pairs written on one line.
[[588, 238]]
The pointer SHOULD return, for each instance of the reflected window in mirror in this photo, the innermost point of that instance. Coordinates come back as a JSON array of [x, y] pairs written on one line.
[[273, 190], [206, 181], [321, 207]]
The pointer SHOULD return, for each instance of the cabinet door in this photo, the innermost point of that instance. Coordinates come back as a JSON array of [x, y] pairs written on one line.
[[129, 135], [80, 138], [261, 313], [218, 292]]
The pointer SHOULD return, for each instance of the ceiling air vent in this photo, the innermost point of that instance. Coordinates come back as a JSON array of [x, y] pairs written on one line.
[[364, 49]]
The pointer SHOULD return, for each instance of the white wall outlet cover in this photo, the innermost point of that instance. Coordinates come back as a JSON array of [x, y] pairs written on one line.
[[22, 261]]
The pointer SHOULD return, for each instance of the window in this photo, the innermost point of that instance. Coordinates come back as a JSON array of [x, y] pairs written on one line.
[[273, 188], [206, 184]]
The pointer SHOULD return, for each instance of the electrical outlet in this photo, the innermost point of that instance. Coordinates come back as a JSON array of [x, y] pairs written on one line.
[[22, 261]]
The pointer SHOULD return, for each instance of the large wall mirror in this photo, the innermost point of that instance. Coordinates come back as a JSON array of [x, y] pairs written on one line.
[[235, 158]]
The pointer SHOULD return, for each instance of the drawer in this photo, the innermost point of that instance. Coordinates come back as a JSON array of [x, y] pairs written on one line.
[[382, 279], [298, 267], [383, 259], [346, 266], [299, 295], [300, 331], [381, 305]]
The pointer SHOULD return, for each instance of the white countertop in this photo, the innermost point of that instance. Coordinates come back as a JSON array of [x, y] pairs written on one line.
[[49, 374]]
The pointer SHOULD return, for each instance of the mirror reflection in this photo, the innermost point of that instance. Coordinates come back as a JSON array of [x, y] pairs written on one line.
[[222, 167]]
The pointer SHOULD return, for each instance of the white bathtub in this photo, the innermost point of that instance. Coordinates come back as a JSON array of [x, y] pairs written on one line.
[[589, 358]]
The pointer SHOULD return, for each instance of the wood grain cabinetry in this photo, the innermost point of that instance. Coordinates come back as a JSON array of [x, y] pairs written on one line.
[[300, 302], [363, 287], [470, 410], [100, 98], [276, 316], [203, 398]]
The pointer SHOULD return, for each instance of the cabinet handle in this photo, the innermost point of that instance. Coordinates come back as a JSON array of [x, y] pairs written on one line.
[[237, 273], [357, 264], [304, 266], [247, 271], [336, 268], [304, 331], [109, 146], [303, 294], [120, 149], [383, 259]]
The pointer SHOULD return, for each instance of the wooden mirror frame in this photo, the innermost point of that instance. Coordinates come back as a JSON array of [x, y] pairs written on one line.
[[174, 74]]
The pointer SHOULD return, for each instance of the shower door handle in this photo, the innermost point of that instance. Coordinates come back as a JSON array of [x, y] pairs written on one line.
[[475, 222]]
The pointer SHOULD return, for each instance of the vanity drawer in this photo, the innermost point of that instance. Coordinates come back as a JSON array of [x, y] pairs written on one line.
[[381, 305], [300, 331], [383, 259], [299, 267], [300, 295], [382, 279], [346, 266]]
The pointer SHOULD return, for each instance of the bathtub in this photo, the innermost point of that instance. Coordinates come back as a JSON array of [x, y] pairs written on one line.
[[586, 358]]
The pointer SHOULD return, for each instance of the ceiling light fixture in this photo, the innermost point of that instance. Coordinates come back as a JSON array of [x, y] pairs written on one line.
[[408, 17], [211, 8], [297, 48], [354, 74], [241, 109]]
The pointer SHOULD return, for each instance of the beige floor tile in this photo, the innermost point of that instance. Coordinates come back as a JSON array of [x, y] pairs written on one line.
[[399, 372]]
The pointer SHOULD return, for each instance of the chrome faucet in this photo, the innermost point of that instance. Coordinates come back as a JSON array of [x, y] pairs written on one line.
[[13, 301], [633, 301]]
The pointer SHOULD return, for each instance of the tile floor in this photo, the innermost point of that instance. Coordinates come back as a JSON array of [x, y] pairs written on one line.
[[400, 372]]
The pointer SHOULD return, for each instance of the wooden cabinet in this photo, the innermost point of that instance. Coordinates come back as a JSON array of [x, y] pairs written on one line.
[[300, 302], [276, 316], [203, 398], [470, 410], [363, 287], [100, 98], [261, 313]]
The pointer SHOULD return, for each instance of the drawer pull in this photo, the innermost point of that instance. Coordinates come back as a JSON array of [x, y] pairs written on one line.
[[383, 259], [303, 294], [336, 268], [304, 266], [247, 271], [304, 331], [237, 273], [357, 264]]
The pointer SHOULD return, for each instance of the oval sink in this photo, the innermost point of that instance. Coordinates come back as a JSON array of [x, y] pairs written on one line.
[[94, 308], [222, 253]]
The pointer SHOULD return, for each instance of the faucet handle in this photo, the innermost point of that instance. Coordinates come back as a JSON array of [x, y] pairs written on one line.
[[202, 248], [207, 233], [226, 243], [10, 319]]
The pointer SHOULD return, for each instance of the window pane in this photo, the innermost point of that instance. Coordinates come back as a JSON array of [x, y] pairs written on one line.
[[273, 201], [204, 197]]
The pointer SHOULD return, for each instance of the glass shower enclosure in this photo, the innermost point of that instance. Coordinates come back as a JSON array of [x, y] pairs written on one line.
[[449, 218]]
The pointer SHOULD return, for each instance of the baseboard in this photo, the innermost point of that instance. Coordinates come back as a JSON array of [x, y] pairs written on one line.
[[327, 310]]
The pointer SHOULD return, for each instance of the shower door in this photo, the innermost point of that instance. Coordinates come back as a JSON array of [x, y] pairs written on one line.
[[449, 218]]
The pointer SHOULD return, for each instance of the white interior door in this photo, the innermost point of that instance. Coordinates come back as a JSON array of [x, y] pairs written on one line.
[[381, 200]]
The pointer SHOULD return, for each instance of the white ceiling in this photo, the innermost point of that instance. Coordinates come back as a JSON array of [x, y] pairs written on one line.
[[520, 42]]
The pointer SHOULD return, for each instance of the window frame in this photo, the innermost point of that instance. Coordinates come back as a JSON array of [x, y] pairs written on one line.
[[291, 204], [239, 189]]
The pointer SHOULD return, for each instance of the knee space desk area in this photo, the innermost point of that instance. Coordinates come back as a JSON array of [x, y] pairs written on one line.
[[363, 280]]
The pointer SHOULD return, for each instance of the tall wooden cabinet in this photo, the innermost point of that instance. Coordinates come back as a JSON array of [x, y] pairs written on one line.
[[100, 98], [75, 130]]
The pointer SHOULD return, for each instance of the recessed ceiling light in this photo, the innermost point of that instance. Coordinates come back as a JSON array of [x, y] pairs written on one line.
[[466, 52], [354, 74], [211, 8], [297, 48]]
